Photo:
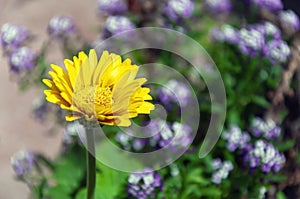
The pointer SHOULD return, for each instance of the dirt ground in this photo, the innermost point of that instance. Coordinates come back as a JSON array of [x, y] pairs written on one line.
[[18, 130]]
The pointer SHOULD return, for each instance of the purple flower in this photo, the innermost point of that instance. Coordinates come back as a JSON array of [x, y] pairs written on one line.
[[23, 163], [226, 33], [144, 184], [278, 51], [60, 27], [175, 91], [129, 142], [13, 36], [177, 10], [116, 25], [161, 134], [112, 7], [265, 156], [252, 42], [289, 19], [272, 5], [236, 139], [222, 170], [267, 129], [40, 108], [22, 59], [218, 6], [178, 135]]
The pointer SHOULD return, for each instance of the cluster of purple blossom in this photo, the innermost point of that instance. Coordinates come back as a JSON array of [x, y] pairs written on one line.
[[23, 163], [179, 10], [265, 155], [218, 6], [14, 37], [117, 22], [174, 91], [60, 27], [20, 57], [263, 39], [265, 128], [176, 135], [272, 5], [222, 170], [260, 154], [145, 184]]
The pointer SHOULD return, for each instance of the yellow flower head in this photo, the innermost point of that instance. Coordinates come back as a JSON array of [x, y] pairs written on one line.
[[104, 90]]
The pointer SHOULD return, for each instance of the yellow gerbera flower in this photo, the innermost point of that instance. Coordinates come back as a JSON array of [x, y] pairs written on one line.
[[104, 90]]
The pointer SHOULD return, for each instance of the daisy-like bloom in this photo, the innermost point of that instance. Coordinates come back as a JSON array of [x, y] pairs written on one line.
[[103, 90]]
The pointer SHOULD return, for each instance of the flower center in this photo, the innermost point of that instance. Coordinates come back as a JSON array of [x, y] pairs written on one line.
[[92, 95]]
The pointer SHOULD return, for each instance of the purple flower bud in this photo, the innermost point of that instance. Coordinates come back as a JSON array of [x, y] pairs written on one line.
[[218, 6], [272, 5], [177, 10], [23, 163], [22, 59], [112, 7], [13, 36], [278, 51], [252, 42], [116, 25], [236, 139], [60, 27], [289, 19], [145, 184]]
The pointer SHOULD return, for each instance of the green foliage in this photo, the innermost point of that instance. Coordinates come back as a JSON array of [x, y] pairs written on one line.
[[68, 174], [109, 183]]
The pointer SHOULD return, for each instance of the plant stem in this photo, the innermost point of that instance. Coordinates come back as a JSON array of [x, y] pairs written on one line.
[[91, 164]]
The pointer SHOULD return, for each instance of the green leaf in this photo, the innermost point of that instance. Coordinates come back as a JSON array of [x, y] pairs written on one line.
[[280, 195], [109, 182], [283, 146], [261, 101]]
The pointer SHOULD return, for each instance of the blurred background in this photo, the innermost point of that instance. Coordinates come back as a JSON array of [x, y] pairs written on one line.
[[18, 128]]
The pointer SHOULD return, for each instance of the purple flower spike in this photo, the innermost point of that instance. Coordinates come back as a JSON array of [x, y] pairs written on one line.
[[22, 59], [116, 25], [177, 10], [272, 5], [60, 27], [112, 7], [13, 36], [218, 6], [23, 162], [289, 19], [278, 51], [236, 139], [144, 184]]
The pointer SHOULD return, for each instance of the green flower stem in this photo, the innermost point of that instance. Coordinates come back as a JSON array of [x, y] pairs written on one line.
[[91, 164]]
